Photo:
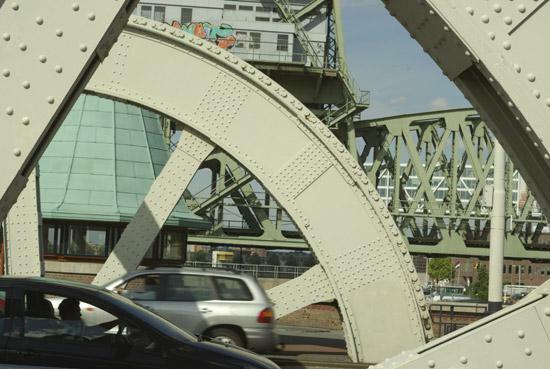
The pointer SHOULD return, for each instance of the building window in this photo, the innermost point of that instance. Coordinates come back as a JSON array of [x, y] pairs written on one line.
[[98, 240], [241, 39], [160, 13], [230, 7], [246, 7], [263, 9], [255, 40], [282, 43], [517, 269], [262, 19], [509, 269], [186, 15], [504, 269], [173, 245], [529, 270], [87, 241], [53, 239], [146, 11]]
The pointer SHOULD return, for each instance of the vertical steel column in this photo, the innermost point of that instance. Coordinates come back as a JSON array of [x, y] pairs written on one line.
[[496, 252], [351, 139], [23, 246]]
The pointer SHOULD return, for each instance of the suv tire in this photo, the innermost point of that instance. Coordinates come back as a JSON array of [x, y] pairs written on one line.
[[226, 335]]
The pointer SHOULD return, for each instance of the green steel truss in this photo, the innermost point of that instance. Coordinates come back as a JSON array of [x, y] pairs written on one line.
[[434, 170]]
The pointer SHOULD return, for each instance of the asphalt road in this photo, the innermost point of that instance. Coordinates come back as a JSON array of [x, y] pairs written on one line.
[[312, 348]]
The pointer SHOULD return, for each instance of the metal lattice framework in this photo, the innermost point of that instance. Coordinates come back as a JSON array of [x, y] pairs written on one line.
[[373, 264], [384, 264]]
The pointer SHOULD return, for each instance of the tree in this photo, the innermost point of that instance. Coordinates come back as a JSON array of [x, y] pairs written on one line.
[[440, 269], [273, 259], [200, 256], [480, 288]]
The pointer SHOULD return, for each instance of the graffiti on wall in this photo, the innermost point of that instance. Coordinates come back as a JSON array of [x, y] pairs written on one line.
[[222, 35]]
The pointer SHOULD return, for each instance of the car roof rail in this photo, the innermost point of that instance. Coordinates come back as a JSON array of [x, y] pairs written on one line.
[[203, 268]]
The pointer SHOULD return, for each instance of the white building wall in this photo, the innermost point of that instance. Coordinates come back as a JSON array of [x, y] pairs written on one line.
[[238, 24]]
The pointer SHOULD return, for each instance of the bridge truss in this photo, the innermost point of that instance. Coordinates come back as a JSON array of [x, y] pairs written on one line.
[[43, 77], [433, 171]]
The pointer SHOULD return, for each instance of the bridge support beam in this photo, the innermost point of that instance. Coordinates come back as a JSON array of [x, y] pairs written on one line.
[[232, 102], [157, 206], [496, 251], [23, 236]]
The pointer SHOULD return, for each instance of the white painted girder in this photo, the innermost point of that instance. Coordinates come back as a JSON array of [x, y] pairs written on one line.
[[22, 234], [516, 337], [160, 201], [297, 159], [48, 51], [311, 287]]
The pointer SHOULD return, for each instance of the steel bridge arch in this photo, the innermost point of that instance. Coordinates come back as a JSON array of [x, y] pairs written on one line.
[[370, 273]]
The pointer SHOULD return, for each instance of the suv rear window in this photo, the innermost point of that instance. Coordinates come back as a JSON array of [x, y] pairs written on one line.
[[232, 289]]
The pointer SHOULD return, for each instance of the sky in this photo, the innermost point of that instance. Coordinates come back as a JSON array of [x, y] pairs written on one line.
[[385, 60]]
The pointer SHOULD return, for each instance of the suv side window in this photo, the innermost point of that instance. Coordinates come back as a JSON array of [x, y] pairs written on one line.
[[189, 287], [143, 288], [232, 289], [4, 313]]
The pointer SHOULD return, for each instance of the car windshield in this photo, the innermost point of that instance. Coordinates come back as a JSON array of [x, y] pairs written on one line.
[[151, 318]]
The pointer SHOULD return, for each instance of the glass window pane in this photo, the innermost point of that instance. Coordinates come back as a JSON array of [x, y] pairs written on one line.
[[230, 7], [246, 7], [51, 238], [241, 39], [282, 42], [255, 40], [144, 287], [173, 245], [87, 240], [186, 15], [233, 289], [146, 11], [160, 13], [189, 287]]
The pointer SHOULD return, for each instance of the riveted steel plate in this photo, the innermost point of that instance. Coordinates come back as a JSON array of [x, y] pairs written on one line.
[[48, 51]]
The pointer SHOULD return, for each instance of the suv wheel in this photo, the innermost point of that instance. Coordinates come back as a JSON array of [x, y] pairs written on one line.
[[226, 335]]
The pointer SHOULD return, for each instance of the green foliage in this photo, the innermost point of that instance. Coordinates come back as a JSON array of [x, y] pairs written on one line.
[[480, 287], [200, 256], [440, 269]]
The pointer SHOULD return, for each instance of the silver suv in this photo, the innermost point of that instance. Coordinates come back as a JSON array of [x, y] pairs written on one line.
[[222, 305]]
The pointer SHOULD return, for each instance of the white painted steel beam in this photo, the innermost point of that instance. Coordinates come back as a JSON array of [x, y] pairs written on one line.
[[311, 287], [48, 51], [162, 198], [516, 337], [251, 117], [23, 239]]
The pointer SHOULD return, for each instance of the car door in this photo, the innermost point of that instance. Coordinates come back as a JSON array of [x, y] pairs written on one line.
[[49, 338], [188, 300]]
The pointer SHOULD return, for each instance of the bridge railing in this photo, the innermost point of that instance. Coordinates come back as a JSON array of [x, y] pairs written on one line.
[[256, 270]]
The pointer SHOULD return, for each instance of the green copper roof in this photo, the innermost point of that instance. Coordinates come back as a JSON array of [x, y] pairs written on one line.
[[101, 163]]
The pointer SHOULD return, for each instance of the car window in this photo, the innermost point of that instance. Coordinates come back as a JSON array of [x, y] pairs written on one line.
[[189, 287], [70, 331], [232, 289], [3, 311], [143, 287]]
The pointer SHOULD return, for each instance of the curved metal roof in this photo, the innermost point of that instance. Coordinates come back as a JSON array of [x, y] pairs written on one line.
[[101, 163]]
